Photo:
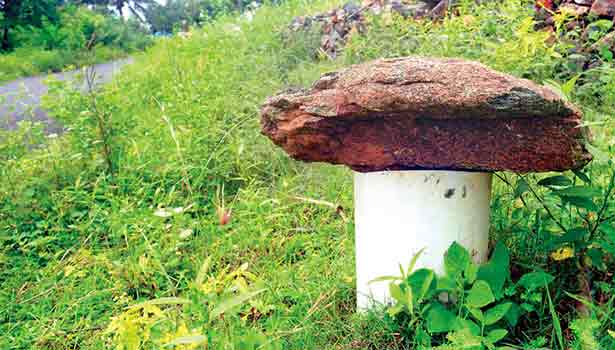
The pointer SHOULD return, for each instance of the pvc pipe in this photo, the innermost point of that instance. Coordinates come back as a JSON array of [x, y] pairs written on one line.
[[398, 213]]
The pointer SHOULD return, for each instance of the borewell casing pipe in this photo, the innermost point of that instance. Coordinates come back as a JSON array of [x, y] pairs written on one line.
[[398, 213]]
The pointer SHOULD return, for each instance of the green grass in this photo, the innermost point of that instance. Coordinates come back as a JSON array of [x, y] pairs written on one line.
[[26, 62], [125, 207]]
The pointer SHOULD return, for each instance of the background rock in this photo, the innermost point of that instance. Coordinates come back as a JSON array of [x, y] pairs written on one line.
[[334, 26]]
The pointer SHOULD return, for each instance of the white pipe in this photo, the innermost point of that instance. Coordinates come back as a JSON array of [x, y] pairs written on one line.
[[398, 213]]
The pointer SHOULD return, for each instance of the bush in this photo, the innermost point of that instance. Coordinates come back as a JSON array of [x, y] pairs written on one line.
[[56, 45]]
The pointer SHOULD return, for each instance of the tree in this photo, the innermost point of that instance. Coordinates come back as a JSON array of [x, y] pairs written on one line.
[[163, 18], [15, 13], [136, 7]]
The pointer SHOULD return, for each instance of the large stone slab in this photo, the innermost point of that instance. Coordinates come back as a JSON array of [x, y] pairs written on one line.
[[417, 113]]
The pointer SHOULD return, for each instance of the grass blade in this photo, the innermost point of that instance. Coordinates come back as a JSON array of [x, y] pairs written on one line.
[[557, 327]]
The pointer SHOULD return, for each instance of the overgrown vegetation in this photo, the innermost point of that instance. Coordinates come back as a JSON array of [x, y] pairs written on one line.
[[58, 37], [163, 218], [41, 36]]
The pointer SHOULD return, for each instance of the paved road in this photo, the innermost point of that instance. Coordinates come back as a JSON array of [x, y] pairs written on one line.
[[21, 99]]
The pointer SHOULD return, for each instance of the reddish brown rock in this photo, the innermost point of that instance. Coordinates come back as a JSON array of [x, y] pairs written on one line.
[[413, 113], [603, 8], [577, 10]]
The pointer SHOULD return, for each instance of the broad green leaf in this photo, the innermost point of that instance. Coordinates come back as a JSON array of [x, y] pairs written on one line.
[[396, 293], [526, 307], [439, 319], [513, 314], [496, 313], [578, 191], [596, 256], [580, 202], [423, 339], [188, 340], [469, 325], [573, 235], [477, 314], [456, 260], [521, 187], [471, 272], [581, 175], [607, 245], [536, 279], [395, 309], [445, 283], [602, 25], [496, 335], [228, 304], [496, 271], [557, 180], [609, 230], [480, 295], [422, 282], [161, 301], [463, 339]]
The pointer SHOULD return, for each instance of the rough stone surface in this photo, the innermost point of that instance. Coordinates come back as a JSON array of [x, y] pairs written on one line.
[[603, 8], [577, 10], [335, 26], [413, 113]]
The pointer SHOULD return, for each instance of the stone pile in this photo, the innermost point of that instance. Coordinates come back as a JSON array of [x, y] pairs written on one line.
[[598, 8], [335, 25], [593, 20]]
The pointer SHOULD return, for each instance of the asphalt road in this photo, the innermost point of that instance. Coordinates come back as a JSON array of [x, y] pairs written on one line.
[[20, 99]]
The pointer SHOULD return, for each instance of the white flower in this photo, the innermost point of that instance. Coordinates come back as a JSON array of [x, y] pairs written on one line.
[[185, 233], [178, 210], [163, 213]]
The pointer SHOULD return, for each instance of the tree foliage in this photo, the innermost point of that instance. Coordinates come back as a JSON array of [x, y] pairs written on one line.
[[165, 18], [136, 7], [14, 13]]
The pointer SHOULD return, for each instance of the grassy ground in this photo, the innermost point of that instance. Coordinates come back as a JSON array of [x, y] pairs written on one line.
[[26, 62], [164, 188]]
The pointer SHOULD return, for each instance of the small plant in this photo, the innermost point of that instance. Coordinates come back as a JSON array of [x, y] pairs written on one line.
[[471, 306], [157, 322], [410, 291]]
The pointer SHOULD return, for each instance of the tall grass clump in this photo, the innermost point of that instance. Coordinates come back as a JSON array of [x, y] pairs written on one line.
[[163, 218]]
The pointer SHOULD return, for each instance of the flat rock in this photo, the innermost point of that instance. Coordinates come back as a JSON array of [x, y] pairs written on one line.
[[417, 113], [577, 10], [603, 8]]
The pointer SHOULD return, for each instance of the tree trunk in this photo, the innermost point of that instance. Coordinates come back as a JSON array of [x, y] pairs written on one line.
[[6, 45], [120, 9]]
